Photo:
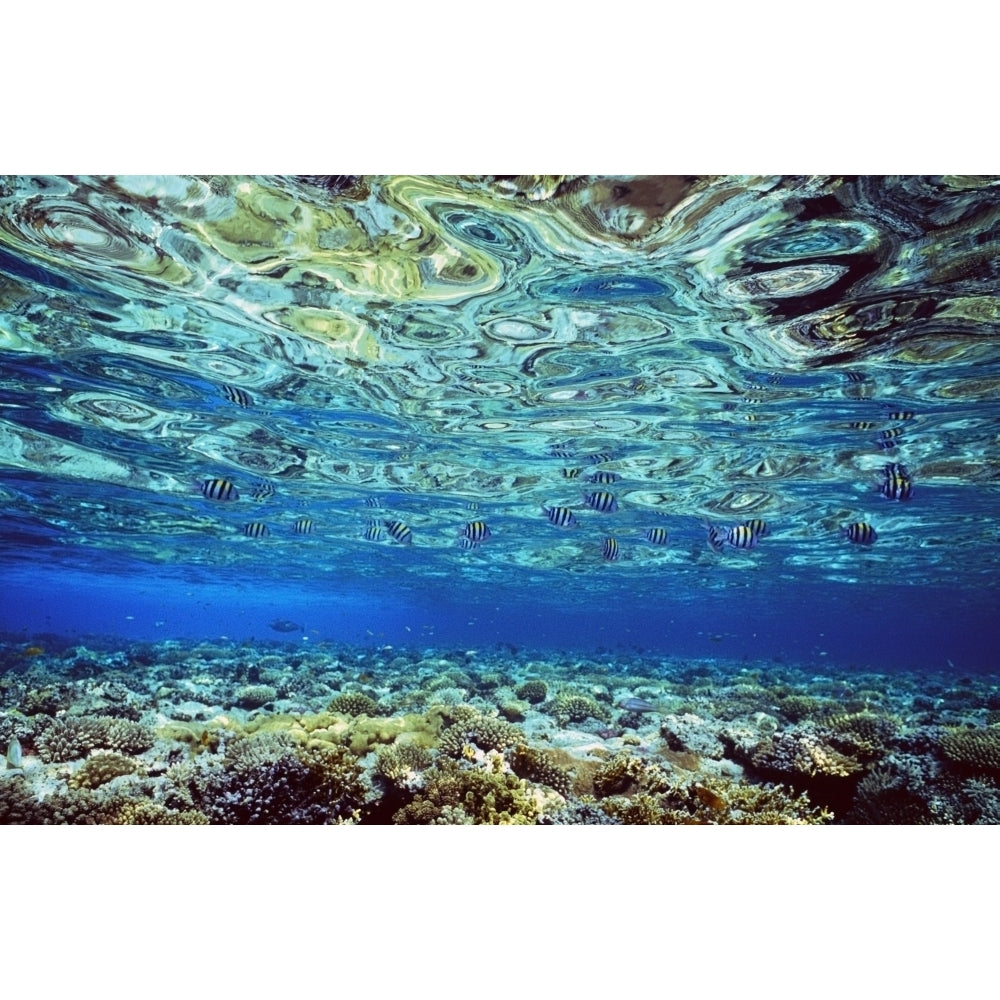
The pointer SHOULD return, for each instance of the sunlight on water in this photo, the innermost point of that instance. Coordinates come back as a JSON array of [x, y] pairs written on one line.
[[433, 353]]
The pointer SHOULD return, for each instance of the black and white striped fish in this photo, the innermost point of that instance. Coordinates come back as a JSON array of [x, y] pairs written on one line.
[[399, 531], [602, 501], [219, 489]]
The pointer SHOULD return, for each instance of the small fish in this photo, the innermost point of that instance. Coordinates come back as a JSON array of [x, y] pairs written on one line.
[[597, 458], [33, 651], [896, 482], [373, 502], [476, 531], [758, 527], [716, 538], [219, 489], [399, 531], [741, 537], [856, 377], [284, 625], [602, 501], [256, 529], [892, 432], [570, 473], [237, 395], [261, 490], [609, 549], [603, 477], [303, 526], [861, 425], [467, 543], [373, 532], [860, 533], [14, 752], [886, 445], [472, 505], [900, 415], [657, 536], [562, 517], [635, 705]]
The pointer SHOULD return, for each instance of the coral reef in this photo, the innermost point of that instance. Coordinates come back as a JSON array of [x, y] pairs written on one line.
[[175, 733], [568, 706], [355, 703], [254, 695], [975, 750], [534, 691], [70, 737], [456, 794], [103, 766]]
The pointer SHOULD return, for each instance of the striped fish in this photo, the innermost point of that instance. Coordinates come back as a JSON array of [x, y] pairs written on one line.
[[609, 549], [373, 532], [467, 543], [602, 501], [860, 533], [861, 425], [892, 432], [303, 526], [657, 536], [476, 531], [562, 517], [716, 538], [255, 529], [219, 489], [399, 531], [741, 537], [896, 482], [900, 415], [237, 395], [603, 477], [570, 473], [597, 458], [758, 527], [262, 491], [373, 502]]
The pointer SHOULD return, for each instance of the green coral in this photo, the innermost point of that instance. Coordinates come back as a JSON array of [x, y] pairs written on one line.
[[570, 707], [537, 766], [456, 795], [355, 703], [398, 763], [626, 772], [70, 737], [102, 768], [534, 691], [483, 731], [254, 695], [976, 750]]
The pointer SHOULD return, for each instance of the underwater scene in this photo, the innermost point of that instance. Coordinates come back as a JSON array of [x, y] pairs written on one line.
[[545, 500]]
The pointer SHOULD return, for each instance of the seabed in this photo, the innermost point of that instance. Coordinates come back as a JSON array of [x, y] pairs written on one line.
[[105, 732]]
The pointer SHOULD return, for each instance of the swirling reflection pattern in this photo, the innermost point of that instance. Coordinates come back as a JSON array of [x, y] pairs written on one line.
[[721, 346]]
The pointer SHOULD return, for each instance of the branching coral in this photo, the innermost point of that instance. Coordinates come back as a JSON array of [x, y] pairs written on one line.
[[483, 731], [102, 768], [974, 750], [267, 778], [453, 794], [254, 695], [355, 703], [569, 707], [534, 691], [70, 737], [537, 766]]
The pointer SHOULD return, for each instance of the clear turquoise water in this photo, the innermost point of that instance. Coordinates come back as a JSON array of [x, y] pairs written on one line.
[[460, 349]]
